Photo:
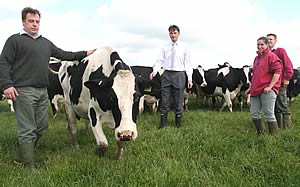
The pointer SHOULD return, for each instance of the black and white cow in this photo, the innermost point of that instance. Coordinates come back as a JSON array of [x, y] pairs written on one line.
[[150, 89], [9, 101], [103, 89], [225, 82], [293, 88], [55, 91]]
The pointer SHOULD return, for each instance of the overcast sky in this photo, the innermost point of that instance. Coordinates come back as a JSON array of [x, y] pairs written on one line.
[[214, 30]]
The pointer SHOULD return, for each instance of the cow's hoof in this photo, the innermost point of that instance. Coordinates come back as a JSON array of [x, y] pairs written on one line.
[[101, 150]]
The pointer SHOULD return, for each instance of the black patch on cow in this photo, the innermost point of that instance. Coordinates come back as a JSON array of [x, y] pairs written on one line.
[[136, 99], [211, 80], [197, 77], [54, 86], [55, 66], [145, 85], [121, 66], [93, 117], [63, 77], [293, 88], [234, 78], [113, 57], [105, 96], [76, 72], [98, 74]]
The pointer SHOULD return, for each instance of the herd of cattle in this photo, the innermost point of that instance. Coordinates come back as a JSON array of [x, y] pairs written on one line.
[[106, 91]]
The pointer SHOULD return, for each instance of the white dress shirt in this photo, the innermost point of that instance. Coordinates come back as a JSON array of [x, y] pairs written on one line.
[[181, 57], [24, 32]]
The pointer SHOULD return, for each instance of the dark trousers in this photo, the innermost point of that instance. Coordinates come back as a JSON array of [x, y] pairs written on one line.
[[32, 113], [172, 90], [281, 105]]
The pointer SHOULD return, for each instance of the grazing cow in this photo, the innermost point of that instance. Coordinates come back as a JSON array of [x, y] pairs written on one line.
[[55, 91], [293, 89], [103, 89], [226, 82], [150, 89]]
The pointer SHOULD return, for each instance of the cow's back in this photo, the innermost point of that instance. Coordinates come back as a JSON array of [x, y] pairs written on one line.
[[73, 74]]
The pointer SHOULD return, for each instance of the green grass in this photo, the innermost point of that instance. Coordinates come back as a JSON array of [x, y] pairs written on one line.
[[211, 149]]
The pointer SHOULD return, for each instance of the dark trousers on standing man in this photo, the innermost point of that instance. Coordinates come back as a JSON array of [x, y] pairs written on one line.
[[282, 113], [172, 90]]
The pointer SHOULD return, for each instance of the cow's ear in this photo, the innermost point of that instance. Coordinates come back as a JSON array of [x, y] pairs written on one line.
[[98, 83]]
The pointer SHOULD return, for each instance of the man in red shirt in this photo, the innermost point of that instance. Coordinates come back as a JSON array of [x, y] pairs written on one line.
[[282, 113]]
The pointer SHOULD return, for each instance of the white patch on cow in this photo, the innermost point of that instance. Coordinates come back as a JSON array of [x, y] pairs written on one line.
[[141, 104], [152, 102], [9, 101], [11, 105], [227, 97], [124, 87], [224, 70], [201, 71], [103, 118], [246, 70], [58, 101]]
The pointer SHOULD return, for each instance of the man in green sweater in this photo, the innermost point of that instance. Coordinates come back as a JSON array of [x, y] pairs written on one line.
[[24, 79]]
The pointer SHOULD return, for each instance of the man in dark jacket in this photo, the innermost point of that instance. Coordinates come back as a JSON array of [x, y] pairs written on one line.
[[24, 79], [283, 116]]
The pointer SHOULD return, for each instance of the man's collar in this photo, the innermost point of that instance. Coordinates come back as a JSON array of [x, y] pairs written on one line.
[[24, 32], [174, 43]]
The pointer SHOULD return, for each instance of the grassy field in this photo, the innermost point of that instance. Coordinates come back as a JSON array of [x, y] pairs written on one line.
[[211, 149]]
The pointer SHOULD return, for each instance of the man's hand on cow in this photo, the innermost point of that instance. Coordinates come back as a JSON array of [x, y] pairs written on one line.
[[11, 93], [90, 52], [190, 84]]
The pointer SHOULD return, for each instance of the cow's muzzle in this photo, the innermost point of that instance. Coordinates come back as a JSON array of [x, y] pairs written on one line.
[[125, 135]]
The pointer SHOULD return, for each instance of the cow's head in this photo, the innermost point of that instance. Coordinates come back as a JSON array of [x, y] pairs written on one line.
[[198, 76], [119, 94], [246, 75]]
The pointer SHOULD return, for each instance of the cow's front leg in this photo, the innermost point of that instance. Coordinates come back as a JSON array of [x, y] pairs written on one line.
[[227, 102], [72, 124], [120, 151], [97, 129], [11, 105]]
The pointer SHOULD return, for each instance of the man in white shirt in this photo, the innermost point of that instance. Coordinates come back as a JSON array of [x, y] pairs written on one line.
[[174, 58]]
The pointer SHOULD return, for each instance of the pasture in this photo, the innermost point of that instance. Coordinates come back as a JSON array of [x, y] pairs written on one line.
[[211, 149]]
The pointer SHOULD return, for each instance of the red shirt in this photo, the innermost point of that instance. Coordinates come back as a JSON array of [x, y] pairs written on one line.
[[287, 69], [264, 67]]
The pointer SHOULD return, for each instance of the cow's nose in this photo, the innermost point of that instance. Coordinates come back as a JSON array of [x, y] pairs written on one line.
[[125, 135]]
